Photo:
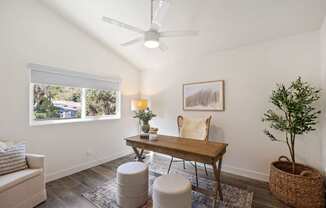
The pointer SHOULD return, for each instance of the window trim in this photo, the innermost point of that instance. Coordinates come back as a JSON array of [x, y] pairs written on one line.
[[83, 118]]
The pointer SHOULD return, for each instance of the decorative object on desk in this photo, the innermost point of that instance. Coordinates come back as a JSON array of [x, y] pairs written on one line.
[[295, 184], [144, 114], [153, 133], [204, 96], [153, 130]]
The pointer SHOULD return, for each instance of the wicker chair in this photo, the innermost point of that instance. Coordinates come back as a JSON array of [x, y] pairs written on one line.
[[186, 131]]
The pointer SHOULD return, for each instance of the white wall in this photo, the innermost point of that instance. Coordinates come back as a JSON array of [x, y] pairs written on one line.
[[29, 32], [250, 74], [323, 76]]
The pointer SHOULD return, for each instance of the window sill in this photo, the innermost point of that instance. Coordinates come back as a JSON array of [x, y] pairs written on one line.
[[80, 120]]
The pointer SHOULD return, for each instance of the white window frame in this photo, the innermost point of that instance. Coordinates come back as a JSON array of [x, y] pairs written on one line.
[[84, 118]]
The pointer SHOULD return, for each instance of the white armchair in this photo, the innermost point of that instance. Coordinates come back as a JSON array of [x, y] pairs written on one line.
[[25, 188]]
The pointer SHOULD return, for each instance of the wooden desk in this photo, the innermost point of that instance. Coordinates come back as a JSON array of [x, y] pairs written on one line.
[[187, 149]]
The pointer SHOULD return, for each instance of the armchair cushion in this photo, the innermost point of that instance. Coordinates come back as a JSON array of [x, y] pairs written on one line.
[[12, 179]]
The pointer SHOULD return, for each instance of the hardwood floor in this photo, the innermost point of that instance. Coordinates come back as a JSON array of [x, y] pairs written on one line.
[[66, 192]]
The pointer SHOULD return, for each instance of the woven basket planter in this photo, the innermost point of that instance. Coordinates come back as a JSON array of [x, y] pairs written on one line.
[[294, 189]]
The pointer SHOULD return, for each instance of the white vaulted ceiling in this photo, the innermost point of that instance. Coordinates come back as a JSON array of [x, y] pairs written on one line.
[[223, 24]]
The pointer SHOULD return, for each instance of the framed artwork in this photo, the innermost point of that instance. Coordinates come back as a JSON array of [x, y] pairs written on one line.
[[204, 96]]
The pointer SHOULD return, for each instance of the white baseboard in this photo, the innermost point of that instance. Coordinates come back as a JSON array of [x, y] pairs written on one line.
[[246, 173], [237, 171], [226, 168], [83, 166]]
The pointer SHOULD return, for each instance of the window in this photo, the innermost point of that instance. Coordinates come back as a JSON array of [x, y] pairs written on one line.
[[56, 102], [100, 102], [60, 96]]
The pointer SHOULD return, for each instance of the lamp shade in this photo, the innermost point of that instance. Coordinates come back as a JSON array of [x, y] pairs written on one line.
[[140, 104]]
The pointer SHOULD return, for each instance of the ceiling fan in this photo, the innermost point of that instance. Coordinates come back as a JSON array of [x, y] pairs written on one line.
[[151, 37]]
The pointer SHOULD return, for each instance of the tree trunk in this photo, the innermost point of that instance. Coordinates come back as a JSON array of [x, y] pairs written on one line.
[[293, 153]]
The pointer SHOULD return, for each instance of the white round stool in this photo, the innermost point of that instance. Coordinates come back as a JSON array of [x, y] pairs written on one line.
[[132, 181], [172, 191]]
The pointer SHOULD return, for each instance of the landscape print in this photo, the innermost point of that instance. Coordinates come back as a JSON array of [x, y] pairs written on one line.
[[207, 96]]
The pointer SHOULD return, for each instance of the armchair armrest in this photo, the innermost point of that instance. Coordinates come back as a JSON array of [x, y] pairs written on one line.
[[35, 161]]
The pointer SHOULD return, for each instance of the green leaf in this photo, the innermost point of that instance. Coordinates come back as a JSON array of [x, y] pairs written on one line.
[[295, 112]]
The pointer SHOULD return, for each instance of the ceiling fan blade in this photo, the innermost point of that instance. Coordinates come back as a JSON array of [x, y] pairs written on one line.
[[136, 40], [121, 24], [163, 47], [167, 34], [159, 11]]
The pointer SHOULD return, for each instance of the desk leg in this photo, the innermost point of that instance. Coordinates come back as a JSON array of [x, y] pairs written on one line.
[[217, 174], [138, 155], [219, 178], [142, 155]]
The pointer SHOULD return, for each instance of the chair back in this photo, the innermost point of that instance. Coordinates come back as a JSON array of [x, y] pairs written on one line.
[[194, 128]]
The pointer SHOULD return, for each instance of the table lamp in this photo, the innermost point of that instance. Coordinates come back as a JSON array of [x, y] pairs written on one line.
[[139, 105], [144, 115]]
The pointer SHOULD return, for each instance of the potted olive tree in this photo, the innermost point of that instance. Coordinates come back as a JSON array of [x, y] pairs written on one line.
[[295, 114]]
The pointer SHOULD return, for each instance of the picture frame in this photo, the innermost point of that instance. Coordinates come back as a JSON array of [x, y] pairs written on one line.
[[204, 96]]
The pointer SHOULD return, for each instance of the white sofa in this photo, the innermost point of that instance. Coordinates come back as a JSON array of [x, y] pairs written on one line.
[[26, 188]]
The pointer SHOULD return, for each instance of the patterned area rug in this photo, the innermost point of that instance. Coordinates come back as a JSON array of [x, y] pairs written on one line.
[[104, 196]]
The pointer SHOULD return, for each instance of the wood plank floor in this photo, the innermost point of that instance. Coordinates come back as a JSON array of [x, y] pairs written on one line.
[[66, 192]]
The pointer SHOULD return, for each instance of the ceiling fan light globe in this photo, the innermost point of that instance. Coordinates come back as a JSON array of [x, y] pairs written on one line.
[[151, 44]]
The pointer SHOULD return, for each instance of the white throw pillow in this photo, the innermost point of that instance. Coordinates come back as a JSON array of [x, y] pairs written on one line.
[[13, 159], [193, 128], [5, 145]]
